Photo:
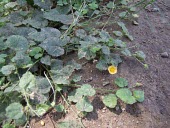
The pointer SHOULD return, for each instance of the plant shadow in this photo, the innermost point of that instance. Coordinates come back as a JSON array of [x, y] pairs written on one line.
[[133, 109], [98, 105]]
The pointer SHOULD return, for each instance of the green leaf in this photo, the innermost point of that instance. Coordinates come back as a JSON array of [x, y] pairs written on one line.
[[8, 125], [7, 69], [106, 50], [17, 43], [74, 96], [124, 2], [36, 20], [86, 90], [81, 33], [43, 85], [125, 95], [126, 52], [45, 4], [125, 30], [3, 45], [64, 9], [121, 82], [101, 65], [119, 43], [115, 59], [53, 46], [122, 14], [132, 9], [110, 100], [22, 2], [56, 64], [27, 82], [118, 33], [24, 31], [140, 55], [46, 60], [76, 78], [21, 121], [110, 5], [42, 109], [104, 36], [22, 59], [45, 33], [2, 58], [139, 95], [14, 111], [95, 48], [2, 80], [34, 51], [16, 17], [84, 105], [93, 5], [74, 64], [69, 124], [39, 55], [59, 108], [61, 76], [87, 53], [54, 15]]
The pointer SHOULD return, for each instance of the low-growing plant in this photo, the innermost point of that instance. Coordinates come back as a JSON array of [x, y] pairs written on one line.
[[35, 37], [124, 94]]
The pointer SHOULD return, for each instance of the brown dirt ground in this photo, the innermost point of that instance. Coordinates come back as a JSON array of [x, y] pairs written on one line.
[[152, 35]]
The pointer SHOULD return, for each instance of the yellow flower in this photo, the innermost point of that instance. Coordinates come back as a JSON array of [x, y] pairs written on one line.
[[112, 69]]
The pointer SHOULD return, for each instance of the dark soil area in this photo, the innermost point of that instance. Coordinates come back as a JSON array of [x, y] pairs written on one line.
[[152, 36]]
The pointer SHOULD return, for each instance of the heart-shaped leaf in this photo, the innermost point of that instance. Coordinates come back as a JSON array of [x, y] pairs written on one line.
[[121, 82], [53, 46], [110, 100], [59, 108], [54, 15], [22, 60], [45, 4], [84, 105], [86, 90], [140, 55], [139, 95], [14, 111], [45, 33], [27, 82], [17, 43], [43, 85], [125, 95], [46, 60], [7, 69]]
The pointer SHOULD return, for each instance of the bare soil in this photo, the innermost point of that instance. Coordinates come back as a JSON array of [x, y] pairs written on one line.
[[152, 36]]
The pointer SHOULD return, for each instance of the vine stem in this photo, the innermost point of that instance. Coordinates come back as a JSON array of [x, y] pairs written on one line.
[[28, 104], [72, 109], [63, 97], [75, 20], [51, 87]]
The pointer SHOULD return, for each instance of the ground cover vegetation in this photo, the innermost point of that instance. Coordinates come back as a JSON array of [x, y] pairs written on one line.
[[35, 38]]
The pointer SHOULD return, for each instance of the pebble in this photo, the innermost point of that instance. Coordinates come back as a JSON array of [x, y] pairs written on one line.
[[164, 55], [135, 23], [155, 10], [106, 83], [123, 109], [42, 123]]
